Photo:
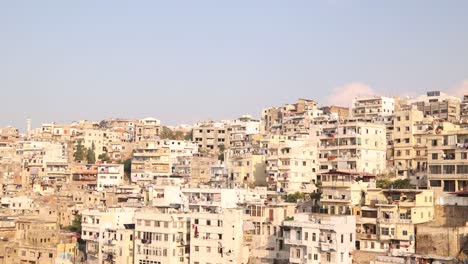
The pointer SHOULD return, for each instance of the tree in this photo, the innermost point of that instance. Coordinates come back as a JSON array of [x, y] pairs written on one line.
[[79, 154], [221, 149], [397, 184], [104, 157], [91, 156], [294, 197], [166, 133], [127, 167], [189, 135], [76, 224]]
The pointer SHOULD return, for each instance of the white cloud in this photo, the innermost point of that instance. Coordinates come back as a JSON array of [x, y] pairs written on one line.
[[344, 95]]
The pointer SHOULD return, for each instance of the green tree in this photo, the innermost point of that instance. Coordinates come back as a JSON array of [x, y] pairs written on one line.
[[189, 135], [91, 156], [104, 157], [127, 167], [221, 149], [79, 154], [294, 197], [76, 224], [397, 184], [166, 133]]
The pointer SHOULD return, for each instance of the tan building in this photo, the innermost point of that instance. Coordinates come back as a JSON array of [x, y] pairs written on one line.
[[162, 235], [291, 164], [439, 105], [338, 110], [147, 129], [373, 106], [352, 145], [464, 109], [246, 168], [195, 169], [448, 160], [211, 135], [150, 161]]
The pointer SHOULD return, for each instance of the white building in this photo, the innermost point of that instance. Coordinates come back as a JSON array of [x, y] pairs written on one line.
[[317, 238], [373, 106], [109, 175]]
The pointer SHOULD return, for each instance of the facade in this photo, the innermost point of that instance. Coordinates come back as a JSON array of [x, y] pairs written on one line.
[[147, 129], [317, 238], [439, 105], [210, 135], [373, 106], [150, 161], [162, 235], [109, 175], [464, 109], [352, 145]]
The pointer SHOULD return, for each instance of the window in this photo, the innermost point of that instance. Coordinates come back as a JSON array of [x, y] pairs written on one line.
[[462, 169], [315, 256], [306, 236], [342, 238], [449, 169], [434, 156], [197, 248], [313, 236], [328, 257], [298, 253], [384, 231], [208, 222], [463, 155], [435, 169], [405, 233], [208, 249]]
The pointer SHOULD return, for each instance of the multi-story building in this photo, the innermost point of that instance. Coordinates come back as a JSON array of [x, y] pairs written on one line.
[[373, 106], [151, 161], [318, 238], [439, 105], [464, 109], [343, 191], [196, 169], [218, 237], [291, 164], [242, 132], [447, 154], [210, 135], [109, 234], [387, 222], [245, 168], [339, 111], [352, 145], [162, 235], [147, 129], [109, 175]]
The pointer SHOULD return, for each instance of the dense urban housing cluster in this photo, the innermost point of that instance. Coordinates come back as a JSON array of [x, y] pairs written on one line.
[[384, 181]]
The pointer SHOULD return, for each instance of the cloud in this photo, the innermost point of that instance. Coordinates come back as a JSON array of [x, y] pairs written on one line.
[[459, 90], [344, 95]]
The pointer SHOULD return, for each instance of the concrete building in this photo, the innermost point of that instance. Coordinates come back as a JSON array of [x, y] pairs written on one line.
[[439, 105], [150, 161], [218, 238], [373, 106], [291, 164], [109, 175], [318, 238], [246, 169], [147, 129], [352, 145], [447, 152], [339, 111], [210, 135], [464, 109], [109, 235], [162, 235]]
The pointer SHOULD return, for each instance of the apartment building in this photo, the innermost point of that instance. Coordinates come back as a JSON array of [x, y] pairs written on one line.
[[447, 152], [387, 222], [242, 132], [84, 177], [150, 161], [266, 220], [212, 200], [338, 111], [210, 135], [291, 164], [218, 237], [318, 238], [109, 234], [274, 118], [439, 105], [464, 109], [373, 106], [147, 129], [162, 235], [245, 169], [352, 145], [196, 169], [109, 175], [343, 191], [9, 133]]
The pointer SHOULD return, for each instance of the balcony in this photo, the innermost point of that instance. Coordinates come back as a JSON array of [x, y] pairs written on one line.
[[293, 241], [366, 236], [327, 246]]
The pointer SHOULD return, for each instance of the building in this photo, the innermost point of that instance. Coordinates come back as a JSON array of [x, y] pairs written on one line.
[[291, 164], [464, 109], [211, 135], [150, 161], [109, 235], [109, 175], [339, 111], [352, 145], [373, 106], [162, 235], [218, 237], [147, 129], [318, 238], [439, 105]]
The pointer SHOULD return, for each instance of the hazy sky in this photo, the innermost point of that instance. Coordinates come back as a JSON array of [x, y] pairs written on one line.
[[183, 61]]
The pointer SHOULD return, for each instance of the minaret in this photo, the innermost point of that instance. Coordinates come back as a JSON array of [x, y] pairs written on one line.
[[28, 127]]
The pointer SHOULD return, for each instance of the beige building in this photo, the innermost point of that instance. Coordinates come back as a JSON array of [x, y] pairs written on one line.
[[447, 156], [352, 145], [210, 135], [291, 164], [464, 109], [439, 105], [195, 169], [109, 235], [246, 168], [387, 222], [147, 129], [162, 235], [373, 106], [150, 161], [318, 238], [218, 237]]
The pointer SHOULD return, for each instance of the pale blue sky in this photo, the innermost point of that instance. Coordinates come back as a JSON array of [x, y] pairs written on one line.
[[183, 61]]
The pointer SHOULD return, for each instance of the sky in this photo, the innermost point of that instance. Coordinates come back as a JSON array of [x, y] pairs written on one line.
[[185, 61]]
